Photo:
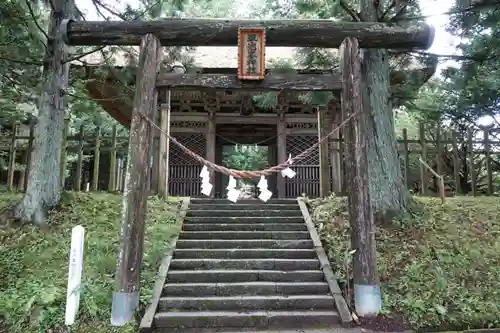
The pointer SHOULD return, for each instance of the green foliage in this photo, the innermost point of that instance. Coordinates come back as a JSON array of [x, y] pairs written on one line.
[[242, 157], [33, 262], [438, 266], [469, 90], [22, 47], [409, 81]]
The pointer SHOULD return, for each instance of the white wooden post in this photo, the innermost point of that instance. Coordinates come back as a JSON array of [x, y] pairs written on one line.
[[75, 273]]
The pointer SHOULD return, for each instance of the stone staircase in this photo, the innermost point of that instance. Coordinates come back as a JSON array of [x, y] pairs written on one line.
[[245, 266]]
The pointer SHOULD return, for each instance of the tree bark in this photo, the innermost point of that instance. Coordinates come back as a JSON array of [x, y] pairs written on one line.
[[389, 195], [360, 212], [217, 32], [44, 186]]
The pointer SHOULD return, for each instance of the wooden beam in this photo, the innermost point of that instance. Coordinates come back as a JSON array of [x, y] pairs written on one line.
[[234, 70], [235, 118], [128, 269], [300, 82], [106, 95], [164, 148], [358, 195], [210, 146], [281, 109], [223, 32], [335, 149], [324, 128], [155, 153]]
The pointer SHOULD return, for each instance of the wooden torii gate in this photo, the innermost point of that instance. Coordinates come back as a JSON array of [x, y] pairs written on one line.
[[208, 32]]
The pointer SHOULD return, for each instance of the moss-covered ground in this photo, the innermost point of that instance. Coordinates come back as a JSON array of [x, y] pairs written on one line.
[[34, 263], [439, 268]]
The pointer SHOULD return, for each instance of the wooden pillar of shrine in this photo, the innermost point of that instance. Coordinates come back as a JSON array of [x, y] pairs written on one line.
[[281, 109], [220, 179], [281, 153], [155, 149], [164, 140], [335, 147], [324, 128], [164, 148], [211, 106], [271, 160]]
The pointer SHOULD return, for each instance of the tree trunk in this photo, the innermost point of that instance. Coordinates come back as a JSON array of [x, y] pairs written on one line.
[[44, 187], [389, 195], [366, 283]]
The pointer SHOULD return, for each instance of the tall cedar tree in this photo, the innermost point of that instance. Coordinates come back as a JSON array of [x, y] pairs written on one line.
[[389, 194]]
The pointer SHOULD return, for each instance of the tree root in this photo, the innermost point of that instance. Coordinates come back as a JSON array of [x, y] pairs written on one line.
[[20, 213], [29, 212], [7, 219]]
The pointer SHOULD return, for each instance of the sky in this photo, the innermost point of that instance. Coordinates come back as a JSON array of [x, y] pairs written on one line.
[[444, 43]]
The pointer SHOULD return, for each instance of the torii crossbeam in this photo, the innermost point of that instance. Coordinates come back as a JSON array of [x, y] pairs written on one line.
[[221, 32]]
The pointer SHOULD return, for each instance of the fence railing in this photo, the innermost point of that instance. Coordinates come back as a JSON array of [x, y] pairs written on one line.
[[81, 164], [466, 164], [440, 178]]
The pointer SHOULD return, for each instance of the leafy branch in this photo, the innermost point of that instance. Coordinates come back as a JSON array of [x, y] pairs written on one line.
[[35, 20], [349, 10], [23, 62], [101, 48], [472, 8], [446, 56]]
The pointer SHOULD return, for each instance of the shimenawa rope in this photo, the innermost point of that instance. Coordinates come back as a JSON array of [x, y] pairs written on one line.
[[246, 174]]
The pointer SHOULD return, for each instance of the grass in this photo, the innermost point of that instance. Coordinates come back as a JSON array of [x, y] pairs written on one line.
[[33, 263], [439, 268]]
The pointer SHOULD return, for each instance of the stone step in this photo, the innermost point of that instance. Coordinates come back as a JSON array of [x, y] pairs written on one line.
[[245, 227], [243, 212], [254, 202], [244, 253], [245, 288], [243, 244], [246, 303], [191, 276], [244, 235], [252, 264], [243, 219], [240, 206], [253, 319]]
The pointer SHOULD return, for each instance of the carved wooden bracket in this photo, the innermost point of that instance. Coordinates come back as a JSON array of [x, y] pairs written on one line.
[[335, 111], [185, 105], [246, 106], [212, 103], [282, 103]]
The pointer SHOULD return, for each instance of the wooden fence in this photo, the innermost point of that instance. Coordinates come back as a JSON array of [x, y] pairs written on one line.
[[467, 164], [81, 167]]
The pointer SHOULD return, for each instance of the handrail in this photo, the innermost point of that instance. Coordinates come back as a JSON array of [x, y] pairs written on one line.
[[438, 176]]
